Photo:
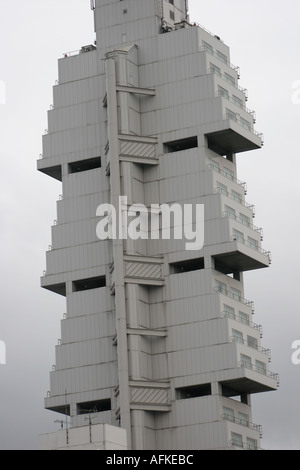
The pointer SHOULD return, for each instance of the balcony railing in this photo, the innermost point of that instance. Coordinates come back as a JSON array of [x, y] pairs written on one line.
[[253, 247], [260, 370], [236, 318], [228, 176], [214, 54], [213, 71], [231, 295], [243, 422], [238, 121], [242, 445], [231, 100], [236, 339], [245, 223], [223, 191]]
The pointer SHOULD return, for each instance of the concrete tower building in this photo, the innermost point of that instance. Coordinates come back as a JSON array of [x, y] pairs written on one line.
[[158, 347]]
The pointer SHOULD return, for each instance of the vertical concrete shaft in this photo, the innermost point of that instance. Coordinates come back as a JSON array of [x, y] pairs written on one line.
[[120, 298]]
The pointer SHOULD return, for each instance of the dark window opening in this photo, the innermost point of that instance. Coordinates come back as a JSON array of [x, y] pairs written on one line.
[[179, 145], [85, 165], [187, 266], [235, 394], [222, 268], [94, 406], [87, 284], [195, 391]]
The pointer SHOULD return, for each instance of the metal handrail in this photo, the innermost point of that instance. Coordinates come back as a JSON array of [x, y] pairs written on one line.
[[259, 370], [237, 121], [243, 222], [231, 100], [239, 201], [235, 85], [233, 296], [235, 339], [213, 53], [234, 317], [256, 248], [243, 422], [229, 177]]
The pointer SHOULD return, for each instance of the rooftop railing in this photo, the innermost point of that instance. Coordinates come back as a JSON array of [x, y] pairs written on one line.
[[204, 48], [231, 295]]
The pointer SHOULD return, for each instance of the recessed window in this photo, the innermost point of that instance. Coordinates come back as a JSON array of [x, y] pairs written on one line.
[[182, 144], [94, 407], [193, 392], [85, 165], [88, 284], [172, 15], [187, 266]]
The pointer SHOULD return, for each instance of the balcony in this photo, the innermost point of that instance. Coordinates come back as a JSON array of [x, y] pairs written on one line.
[[228, 176], [245, 204], [231, 295], [238, 319], [246, 224], [241, 256], [267, 352], [232, 134], [243, 422]]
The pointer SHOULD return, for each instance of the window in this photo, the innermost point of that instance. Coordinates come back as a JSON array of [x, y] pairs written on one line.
[[187, 266], [172, 15], [216, 70], [195, 391], [182, 144], [230, 212], [252, 342], [171, 1], [87, 284], [238, 236], [238, 336], [223, 92], [253, 243], [229, 174], [221, 287], [222, 188], [85, 165], [237, 439], [229, 311], [244, 220], [246, 361], [251, 443], [261, 367], [207, 47], [246, 124], [236, 196], [94, 406], [236, 294], [228, 414], [229, 79], [244, 318], [243, 419], [215, 165], [237, 101], [222, 57], [231, 115]]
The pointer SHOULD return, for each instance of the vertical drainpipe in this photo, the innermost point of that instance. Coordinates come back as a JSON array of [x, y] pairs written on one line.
[[120, 298]]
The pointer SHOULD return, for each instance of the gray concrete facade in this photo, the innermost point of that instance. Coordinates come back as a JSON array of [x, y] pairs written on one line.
[[156, 339]]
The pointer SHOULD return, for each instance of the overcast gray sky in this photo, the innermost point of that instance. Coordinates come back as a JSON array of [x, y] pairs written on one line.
[[264, 38]]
